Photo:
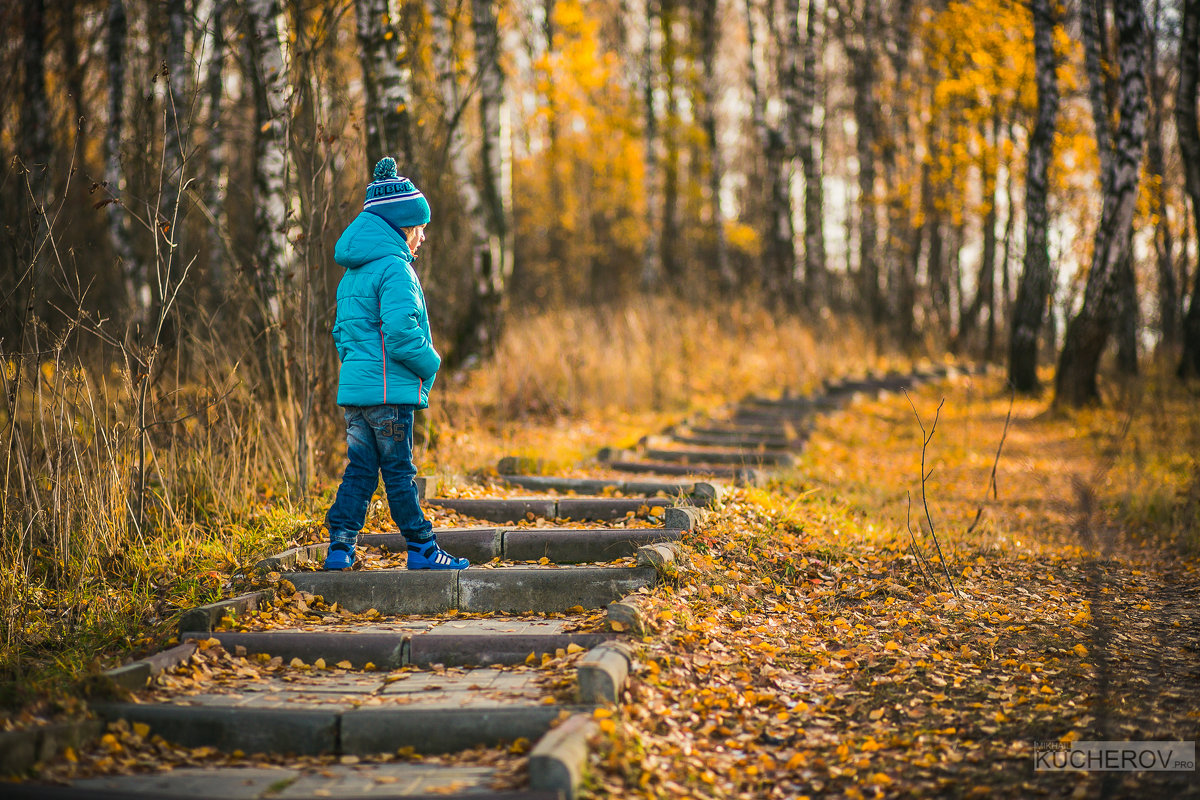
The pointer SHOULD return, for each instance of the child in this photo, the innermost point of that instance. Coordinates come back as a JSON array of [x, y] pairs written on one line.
[[388, 366]]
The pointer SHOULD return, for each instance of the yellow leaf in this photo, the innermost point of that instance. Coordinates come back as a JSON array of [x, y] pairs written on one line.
[[69, 755], [796, 761], [890, 646], [876, 714], [718, 590], [608, 726], [519, 746], [602, 713], [343, 664], [616, 626], [574, 648], [296, 663], [369, 666], [1081, 651], [880, 779], [319, 663], [529, 659], [141, 729]]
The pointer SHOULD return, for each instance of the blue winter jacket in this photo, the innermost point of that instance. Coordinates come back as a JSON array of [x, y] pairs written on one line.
[[382, 329]]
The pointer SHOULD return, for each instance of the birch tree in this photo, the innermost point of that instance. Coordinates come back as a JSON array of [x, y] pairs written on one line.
[[709, 38], [273, 253], [1075, 380], [495, 266], [387, 86], [475, 331], [1187, 126], [780, 264], [1168, 286], [213, 12], [652, 266], [1033, 290]]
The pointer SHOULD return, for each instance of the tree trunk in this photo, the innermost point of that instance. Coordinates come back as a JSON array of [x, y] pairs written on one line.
[[863, 81], [779, 266], [74, 73], [816, 276], [652, 266], [473, 331], [491, 281], [672, 256], [1033, 289], [899, 236], [273, 255], [1075, 381], [710, 35], [985, 285], [114, 169], [176, 110], [387, 87], [1164, 250], [35, 112], [1187, 126], [215, 187]]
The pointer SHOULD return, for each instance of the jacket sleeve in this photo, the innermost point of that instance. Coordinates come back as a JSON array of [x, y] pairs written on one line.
[[401, 306]]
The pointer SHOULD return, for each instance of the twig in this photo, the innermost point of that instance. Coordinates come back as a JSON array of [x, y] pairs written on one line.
[[926, 438], [992, 481], [922, 564]]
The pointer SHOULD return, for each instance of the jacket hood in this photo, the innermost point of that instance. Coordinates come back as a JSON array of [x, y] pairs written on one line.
[[369, 238]]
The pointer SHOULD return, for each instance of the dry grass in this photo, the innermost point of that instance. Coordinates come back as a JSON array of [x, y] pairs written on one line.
[[85, 579]]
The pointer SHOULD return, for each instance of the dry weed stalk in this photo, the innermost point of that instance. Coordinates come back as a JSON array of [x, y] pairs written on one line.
[[926, 437]]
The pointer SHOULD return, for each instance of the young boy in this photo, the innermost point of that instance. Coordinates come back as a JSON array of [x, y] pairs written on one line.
[[388, 366]]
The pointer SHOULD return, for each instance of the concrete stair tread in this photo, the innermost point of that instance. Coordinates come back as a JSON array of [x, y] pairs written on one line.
[[380, 781], [476, 589]]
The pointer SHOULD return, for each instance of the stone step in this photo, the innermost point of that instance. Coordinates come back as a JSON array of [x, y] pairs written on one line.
[[766, 417], [739, 475], [380, 781], [481, 545], [453, 643], [699, 492], [516, 509], [757, 432], [510, 589], [749, 457], [560, 545], [351, 713], [743, 441]]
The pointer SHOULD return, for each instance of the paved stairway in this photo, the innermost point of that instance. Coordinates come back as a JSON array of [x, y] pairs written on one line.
[[490, 673]]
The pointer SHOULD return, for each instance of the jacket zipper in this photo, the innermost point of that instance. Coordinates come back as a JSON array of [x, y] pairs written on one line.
[[383, 351]]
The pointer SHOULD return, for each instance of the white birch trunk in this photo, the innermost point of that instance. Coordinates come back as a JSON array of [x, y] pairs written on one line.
[[387, 86], [274, 252]]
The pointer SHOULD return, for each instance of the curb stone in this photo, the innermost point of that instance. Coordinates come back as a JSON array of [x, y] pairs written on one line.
[[205, 617], [602, 672], [281, 562], [557, 762], [136, 674], [21, 749], [628, 614]]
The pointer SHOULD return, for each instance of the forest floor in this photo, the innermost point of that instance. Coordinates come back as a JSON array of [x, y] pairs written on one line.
[[817, 644], [811, 652]]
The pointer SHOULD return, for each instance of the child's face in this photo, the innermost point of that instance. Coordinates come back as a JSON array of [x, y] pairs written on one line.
[[416, 237]]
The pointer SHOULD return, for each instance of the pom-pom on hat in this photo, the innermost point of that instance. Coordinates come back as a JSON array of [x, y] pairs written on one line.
[[395, 198]]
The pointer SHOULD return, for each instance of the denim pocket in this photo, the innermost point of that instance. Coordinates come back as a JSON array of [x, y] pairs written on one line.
[[389, 423]]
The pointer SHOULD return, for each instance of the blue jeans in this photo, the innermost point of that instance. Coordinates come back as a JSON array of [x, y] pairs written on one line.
[[378, 440]]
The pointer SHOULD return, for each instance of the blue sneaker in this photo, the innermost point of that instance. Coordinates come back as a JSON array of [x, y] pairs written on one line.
[[427, 555], [340, 556]]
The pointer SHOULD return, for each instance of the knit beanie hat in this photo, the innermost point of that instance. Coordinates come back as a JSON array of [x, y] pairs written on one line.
[[395, 198]]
